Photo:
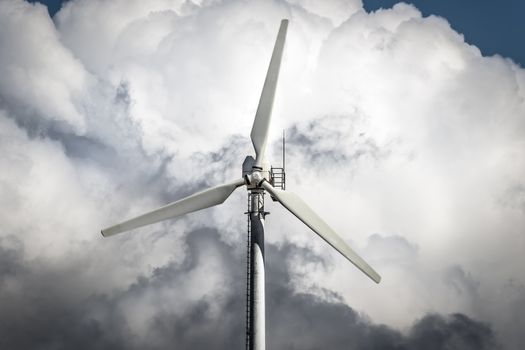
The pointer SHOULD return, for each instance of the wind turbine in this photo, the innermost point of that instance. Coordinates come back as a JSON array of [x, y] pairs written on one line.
[[258, 177]]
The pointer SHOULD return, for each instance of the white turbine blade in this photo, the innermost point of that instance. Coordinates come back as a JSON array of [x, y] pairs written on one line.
[[303, 212], [261, 123], [201, 200]]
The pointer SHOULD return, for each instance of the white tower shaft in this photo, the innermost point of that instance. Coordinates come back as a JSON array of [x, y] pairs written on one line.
[[257, 301]]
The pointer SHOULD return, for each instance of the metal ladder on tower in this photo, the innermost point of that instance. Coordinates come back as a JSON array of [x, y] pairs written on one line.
[[248, 275]]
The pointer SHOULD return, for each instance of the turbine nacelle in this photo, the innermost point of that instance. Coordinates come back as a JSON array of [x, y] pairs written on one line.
[[254, 174]]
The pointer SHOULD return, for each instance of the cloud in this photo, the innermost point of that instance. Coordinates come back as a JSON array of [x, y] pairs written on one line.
[[39, 313], [400, 134], [40, 78]]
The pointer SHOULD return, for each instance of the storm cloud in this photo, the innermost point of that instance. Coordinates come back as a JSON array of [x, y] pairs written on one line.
[[41, 314], [400, 134]]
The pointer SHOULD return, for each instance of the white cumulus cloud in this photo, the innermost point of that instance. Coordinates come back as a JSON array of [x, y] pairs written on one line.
[[402, 135]]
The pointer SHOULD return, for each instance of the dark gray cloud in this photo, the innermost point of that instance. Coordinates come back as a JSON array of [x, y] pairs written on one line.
[[514, 197], [333, 141], [39, 313], [42, 312]]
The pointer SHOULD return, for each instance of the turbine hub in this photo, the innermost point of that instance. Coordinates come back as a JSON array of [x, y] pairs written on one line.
[[257, 176]]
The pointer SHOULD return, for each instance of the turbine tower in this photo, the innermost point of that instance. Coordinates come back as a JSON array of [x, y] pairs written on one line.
[[258, 177]]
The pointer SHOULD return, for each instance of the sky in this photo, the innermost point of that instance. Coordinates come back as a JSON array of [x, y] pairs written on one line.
[[405, 135], [495, 28]]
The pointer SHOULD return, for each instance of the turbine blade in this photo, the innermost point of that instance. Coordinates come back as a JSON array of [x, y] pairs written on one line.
[[200, 200], [303, 212], [261, 123]]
